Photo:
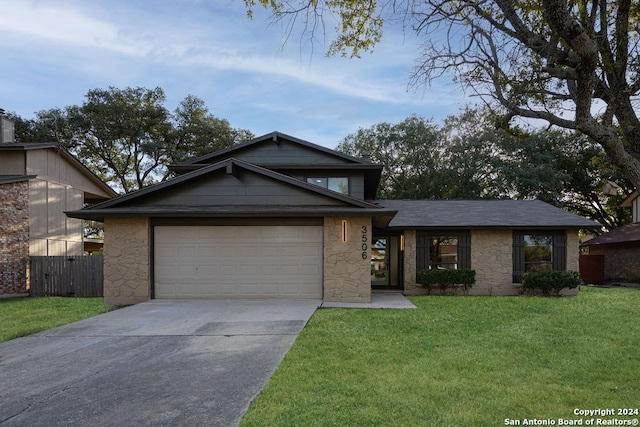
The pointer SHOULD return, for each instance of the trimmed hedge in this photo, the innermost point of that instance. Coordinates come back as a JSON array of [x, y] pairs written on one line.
[[447, 279], [550, 283]]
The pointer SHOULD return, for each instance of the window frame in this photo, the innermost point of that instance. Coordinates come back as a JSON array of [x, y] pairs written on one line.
[[558, 251], [423, 248], [326, 182]]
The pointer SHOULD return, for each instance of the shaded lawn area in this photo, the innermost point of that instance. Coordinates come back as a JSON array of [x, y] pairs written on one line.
[[25, 316], [459, 361]]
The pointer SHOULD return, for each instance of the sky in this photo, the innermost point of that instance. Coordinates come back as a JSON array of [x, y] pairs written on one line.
[[54, 51]]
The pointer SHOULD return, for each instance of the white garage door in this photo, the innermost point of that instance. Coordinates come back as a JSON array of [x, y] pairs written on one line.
[[238, 262]]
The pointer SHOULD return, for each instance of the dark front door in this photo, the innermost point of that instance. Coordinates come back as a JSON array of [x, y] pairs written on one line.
[[385, 262]]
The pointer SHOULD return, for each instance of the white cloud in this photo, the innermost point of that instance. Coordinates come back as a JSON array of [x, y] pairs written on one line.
[[237, 44], [210, 49], [59, 24]]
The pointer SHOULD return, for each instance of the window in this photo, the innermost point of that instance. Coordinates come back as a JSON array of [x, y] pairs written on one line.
[[443, 249], [443, 252], [339, 184], [538, 251]]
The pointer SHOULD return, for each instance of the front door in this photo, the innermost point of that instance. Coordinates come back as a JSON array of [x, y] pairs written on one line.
[[385, 263]]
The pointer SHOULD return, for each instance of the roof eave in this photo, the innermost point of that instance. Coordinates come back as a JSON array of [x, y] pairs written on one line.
[[101, 214]]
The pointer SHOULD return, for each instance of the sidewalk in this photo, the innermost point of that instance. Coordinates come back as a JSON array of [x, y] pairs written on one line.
[[378, 300]]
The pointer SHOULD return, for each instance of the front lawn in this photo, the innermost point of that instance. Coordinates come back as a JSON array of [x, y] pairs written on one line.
[[24, 316], [460, 361]]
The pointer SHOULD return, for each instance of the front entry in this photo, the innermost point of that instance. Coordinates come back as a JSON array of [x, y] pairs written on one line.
[[386, 262]]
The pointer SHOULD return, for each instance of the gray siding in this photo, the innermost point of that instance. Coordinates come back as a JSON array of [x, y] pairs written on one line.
[[247, 189], [356, 178], [270, 153]]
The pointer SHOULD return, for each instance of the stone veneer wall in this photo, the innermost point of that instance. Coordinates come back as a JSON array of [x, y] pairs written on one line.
[[14, 237], [410, 285], [127, 261], [573, 258], [347, 265]]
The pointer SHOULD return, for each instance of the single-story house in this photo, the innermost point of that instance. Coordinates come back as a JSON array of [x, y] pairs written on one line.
[[620, 247], [38, 183], [279, 217]]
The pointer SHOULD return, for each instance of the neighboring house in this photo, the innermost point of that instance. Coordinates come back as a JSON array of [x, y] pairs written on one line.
[[621, 246], [279, 217], [38, 183]]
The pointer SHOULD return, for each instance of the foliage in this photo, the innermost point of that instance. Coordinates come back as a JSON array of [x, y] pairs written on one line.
[[447, 279], [458, 362], [359, 26], [24, 316], [197, 133], [550, 283], [127, 136], [469, 158], [574, 65], [421, 161]]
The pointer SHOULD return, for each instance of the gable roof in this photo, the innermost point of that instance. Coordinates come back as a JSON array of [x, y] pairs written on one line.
[[281, 152], [70, 158], [180, 197], [459, 214], [626, 234], [273, 138]]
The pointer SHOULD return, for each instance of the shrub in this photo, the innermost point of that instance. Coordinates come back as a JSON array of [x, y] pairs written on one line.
[[550, 283], [447, 279]]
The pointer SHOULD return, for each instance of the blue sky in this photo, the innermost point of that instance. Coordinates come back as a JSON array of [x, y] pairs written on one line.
[[54, 51]]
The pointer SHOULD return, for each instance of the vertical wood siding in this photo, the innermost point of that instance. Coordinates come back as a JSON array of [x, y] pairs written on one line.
[[79, 276]]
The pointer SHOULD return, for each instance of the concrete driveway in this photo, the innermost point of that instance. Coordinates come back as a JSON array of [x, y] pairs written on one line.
[[160, 363]]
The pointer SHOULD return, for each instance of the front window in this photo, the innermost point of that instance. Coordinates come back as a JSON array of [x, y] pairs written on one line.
[[443, 252], [544, 250], [538, 252], [339, 184], [440, 249]]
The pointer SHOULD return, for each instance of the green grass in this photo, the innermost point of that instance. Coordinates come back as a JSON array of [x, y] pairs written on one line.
[[459, 361], [24, 316]]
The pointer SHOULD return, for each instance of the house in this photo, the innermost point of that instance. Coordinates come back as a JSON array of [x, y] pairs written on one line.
[[38, 182], [279, 217], [620, 247]]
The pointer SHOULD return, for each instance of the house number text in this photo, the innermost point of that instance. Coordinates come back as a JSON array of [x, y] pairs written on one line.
[[365, 242]]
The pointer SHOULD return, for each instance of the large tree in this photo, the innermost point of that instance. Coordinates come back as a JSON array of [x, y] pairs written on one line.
[[127, 136], [467, 157], [424, 161], [571, 63]]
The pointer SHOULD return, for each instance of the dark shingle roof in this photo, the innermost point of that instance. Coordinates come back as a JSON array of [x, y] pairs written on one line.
[[625, 234], [481, 214]]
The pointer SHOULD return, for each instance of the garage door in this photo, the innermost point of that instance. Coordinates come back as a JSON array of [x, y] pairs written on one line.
[[238, 262]]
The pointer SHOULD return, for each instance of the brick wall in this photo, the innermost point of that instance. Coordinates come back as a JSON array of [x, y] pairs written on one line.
[[492, 259], [621, 262], [14, 237]]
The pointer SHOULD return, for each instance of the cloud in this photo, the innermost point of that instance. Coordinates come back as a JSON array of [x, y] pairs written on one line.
[[197, 39]]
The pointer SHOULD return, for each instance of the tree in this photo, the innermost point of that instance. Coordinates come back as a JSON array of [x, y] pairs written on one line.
[[198, 133], [468, 158], [421, 161], [127, 137], [122, 134], [48, 126], [573, 64]]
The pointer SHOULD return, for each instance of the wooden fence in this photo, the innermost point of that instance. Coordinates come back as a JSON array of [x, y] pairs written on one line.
[[78, 276]]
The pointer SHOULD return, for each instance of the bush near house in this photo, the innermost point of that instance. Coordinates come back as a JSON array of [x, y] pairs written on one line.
[[446, 279], [549, 283]]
